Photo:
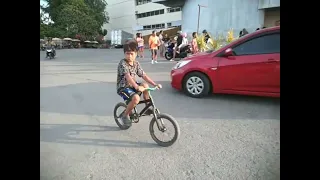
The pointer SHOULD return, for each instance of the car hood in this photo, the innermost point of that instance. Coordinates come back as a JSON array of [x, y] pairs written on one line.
[[196, 56]]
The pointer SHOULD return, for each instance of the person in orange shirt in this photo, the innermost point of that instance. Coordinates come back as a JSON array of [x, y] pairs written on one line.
[[153, 45]]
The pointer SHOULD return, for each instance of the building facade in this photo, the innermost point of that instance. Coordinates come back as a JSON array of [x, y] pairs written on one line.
[[218, 16], [141, 16]]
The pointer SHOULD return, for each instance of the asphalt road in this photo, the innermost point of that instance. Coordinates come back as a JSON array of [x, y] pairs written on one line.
[[223, 137]]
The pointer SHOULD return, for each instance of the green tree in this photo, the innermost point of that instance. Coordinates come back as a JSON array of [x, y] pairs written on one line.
[[75, 17], [72, 17], [98, 10]]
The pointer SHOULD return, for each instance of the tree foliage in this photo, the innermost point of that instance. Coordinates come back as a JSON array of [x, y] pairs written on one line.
[[74, 17]]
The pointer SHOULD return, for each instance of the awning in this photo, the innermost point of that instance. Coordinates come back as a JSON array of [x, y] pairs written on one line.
[[170, 3]]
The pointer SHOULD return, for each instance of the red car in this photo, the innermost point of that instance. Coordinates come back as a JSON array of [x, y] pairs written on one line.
[[249, 66]]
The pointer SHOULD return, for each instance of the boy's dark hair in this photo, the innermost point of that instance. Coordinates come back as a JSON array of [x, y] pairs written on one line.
[[153, 31], [130, 45], [194, 34], [161, 31]]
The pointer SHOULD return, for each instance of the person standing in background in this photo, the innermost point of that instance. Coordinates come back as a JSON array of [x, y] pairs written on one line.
[[194, 43], [153, 44], [161, 47], [178, 41], [140, 42]]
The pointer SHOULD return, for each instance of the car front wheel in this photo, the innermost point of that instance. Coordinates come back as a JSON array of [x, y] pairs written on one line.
[[196, 85]]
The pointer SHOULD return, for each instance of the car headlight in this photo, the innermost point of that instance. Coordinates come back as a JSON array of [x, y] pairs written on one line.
[[181, 64]]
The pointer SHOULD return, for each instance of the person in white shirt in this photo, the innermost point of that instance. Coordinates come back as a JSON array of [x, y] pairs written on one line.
[[181, 41], [184, 41], [161, 46]]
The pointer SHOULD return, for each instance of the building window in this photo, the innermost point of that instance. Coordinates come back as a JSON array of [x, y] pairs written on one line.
[[140, 2], [175, 9], [154, 26], [147, 27], [150, 13], [169, 25]]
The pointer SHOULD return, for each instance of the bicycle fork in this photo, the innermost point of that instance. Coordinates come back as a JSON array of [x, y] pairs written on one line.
[[159, 121]]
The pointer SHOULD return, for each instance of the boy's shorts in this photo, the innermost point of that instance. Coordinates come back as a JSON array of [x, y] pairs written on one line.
[[128, 92]]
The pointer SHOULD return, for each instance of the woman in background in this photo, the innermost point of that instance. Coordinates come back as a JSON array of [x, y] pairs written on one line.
[[140, 45]]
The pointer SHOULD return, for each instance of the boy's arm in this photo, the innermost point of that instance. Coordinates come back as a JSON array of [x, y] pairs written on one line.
[[144, 76], [131, 81], [148, 79]]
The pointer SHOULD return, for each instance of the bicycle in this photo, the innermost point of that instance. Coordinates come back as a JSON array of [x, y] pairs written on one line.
[[157, 118]]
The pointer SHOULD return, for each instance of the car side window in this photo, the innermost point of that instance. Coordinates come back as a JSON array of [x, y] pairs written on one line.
[[266, 44]]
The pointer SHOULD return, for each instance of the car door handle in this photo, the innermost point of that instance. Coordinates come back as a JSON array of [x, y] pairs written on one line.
[[272, 60]]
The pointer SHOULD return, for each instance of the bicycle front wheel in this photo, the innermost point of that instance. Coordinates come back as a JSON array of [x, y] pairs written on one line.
[[164, 128]]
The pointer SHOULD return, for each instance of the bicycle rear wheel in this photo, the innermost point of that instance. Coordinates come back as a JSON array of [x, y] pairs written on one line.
[[160, 119], [117, 116]]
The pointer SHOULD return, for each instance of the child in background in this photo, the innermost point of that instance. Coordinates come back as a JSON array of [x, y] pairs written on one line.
[[194, 44], [140, 42]]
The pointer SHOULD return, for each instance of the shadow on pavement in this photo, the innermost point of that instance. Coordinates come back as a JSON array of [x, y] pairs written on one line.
[[99, 98], [64, 133]]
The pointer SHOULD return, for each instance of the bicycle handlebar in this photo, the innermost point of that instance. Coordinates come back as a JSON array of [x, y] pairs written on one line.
[[151, 89]]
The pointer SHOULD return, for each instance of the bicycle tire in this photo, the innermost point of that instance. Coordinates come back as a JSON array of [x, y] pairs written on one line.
[[176, 128], [121, 126]]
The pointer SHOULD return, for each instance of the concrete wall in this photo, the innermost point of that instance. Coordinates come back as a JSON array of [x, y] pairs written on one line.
[[271, 16], [122, 16], [263, 4], [219, 16]]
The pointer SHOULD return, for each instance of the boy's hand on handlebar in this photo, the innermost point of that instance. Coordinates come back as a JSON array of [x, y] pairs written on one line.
[[141, 88], [159, 86]]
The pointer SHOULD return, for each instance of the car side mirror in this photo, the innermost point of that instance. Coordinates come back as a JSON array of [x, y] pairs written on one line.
[[228, 53]]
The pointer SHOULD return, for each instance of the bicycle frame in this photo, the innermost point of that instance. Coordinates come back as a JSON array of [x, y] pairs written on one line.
[[150, 103]]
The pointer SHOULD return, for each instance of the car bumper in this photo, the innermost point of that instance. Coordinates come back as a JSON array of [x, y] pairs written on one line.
[[176, 79]]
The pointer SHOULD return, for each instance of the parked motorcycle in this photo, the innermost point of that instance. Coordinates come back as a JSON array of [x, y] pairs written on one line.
[[182, 54]]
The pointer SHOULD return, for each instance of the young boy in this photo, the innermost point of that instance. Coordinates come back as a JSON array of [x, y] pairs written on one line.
[[127, 86]]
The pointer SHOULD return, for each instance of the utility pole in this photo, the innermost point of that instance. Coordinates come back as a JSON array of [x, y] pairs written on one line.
[[199, 8]]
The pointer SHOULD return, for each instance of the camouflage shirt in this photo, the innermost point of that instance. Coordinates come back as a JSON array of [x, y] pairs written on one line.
[[124, 68]]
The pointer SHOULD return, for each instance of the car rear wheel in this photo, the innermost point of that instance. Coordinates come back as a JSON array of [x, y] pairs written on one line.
[[196, 85]]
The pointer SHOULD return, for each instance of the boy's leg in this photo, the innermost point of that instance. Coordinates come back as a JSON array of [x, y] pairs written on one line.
[[146, 97], [133, 96], [152, 56], [155, 56], [162, 50], [174, 53], [142, 51], [133, 102]]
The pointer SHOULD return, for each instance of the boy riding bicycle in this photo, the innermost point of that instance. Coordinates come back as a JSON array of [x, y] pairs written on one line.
[[127, 86]]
